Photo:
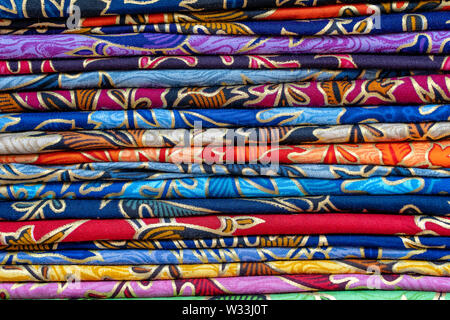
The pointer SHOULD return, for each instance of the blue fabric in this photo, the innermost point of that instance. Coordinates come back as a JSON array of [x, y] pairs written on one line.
[[188, 78], [376, 24], [226, 187], [134, 209], [19, 9], [187, 256], [175, 119], [16, 173], [367, 241]]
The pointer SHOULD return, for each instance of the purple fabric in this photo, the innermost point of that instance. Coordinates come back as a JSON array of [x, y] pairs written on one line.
[[72, 46], [221, 286]]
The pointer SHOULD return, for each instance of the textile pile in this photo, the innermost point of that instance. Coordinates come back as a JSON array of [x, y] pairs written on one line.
[[218, 149]]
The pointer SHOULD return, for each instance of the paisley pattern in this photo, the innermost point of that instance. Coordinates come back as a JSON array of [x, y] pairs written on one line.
[[433, 89], [54, 231], [79, 45], [222, 286], [326, 61], [136, 209]]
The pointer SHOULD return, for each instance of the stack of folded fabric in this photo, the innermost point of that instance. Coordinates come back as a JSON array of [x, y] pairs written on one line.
[[214, 148]]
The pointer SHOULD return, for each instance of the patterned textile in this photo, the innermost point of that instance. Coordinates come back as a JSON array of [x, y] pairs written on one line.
[[50, 141], [201, 256], [183, 78], [292, 13], [60, 273], [123, 171], [136, 209], [326, 295], [78, 45], [187, 119], [381, 24], [413, 154], [326, 61], [225, 187], [289, 241], [221, 286], [433, 89], [51, 231], [17, 9], [224, 149]]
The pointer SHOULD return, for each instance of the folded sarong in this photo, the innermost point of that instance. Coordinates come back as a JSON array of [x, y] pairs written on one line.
[[325, 61], [137, 257], [18, 9], [226, 187], [32, 142], [132, 44], [188, 77], [136, 209], [222, 286], [206, 118], [16, 173], [403, 90], [292, 13], [289, 241], [374, 24], [60, 273], [55, 231], [413, 154], [325, 295]]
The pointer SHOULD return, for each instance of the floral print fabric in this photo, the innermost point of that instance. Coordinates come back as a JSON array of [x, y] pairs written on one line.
[[224, 149]]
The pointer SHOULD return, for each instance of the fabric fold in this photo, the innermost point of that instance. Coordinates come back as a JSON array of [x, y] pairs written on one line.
[[136, 209], [187, 77], [205, 118], [372, 24], [422, 90], [161, 257], [61, 273], [357, 295], [16, 173], [75, 230], [424, 154], [51, 141], [133, 44], [288, 241], [281, 13], [225, 187], [19, 9], [222, 286], [255, 62]]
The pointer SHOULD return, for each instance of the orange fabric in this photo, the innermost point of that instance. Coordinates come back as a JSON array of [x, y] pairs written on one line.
[[414, 154]]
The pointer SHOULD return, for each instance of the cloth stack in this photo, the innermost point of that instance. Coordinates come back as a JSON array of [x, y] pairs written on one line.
[[259, 149]]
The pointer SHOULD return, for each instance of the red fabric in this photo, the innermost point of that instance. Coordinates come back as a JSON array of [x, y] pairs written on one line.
[[50, 231]]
